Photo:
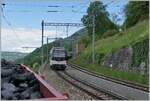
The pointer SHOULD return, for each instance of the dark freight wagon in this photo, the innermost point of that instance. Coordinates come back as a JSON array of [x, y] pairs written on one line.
[[48, 91], [19, 82]]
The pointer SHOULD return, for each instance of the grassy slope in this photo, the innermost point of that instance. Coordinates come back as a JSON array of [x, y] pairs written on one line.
[[106, 46]]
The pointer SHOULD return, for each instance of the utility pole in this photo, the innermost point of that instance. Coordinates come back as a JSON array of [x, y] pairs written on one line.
[[93, 40], [57, 24], [42, 24], [56, 32], [67, 30], [47, 49]]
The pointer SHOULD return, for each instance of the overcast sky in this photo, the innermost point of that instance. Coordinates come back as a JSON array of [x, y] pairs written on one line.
[[21, 26]]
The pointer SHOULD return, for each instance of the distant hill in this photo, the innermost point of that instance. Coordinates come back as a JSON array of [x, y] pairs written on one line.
[[12, 56]]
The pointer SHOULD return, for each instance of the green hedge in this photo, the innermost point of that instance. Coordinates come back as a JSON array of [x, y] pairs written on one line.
[[140, 53]]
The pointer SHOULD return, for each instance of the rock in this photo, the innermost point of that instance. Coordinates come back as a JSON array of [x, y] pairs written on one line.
[[32, 82], [6, 94], [120, 59], [19, 78], [14, 98], [17, 84], [23, 85], [21, 89], [17, 95], [6, 72], [26, 94], [5, 80], [9, 87], [30, 76], [6, 67], [35, 87], [19, 70], [3, 62], [35, 95]]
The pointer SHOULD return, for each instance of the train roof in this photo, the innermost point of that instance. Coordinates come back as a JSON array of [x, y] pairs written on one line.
[[58, 48]]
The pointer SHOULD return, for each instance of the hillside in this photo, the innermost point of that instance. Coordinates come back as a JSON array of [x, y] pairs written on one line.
[[12, 56], [34, 57], [110, 47], [122, 39]]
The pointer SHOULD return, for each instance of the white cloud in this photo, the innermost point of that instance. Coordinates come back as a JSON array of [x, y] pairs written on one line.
[[22, 37], [25, 37]]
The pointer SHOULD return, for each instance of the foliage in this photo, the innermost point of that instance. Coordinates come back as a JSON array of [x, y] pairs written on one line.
[[36, 66], [140, 53], [136, 11], [106, 46], [110, 33], [35, 56], [102, 21], [85, 40]]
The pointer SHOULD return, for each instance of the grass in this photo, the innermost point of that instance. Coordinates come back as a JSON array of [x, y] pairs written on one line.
[[133, 77], [111, 44]]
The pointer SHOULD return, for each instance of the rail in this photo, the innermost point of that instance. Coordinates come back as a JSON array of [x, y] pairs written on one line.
[[119, 81], [84, 86]]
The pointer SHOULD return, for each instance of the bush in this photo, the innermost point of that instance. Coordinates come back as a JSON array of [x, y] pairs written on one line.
[[99, 58], [109, 33], [140, 53], [35, 66], [85, 40]]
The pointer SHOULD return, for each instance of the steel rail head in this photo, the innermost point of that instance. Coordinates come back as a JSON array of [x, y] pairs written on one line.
[[123, 82]]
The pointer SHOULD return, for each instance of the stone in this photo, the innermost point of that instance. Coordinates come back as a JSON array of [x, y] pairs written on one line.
[[9, 86], [6, 72], [35, 95], [6, 94]]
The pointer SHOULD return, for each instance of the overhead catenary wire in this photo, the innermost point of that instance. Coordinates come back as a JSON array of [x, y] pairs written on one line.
[[53, 6], [48, 6], [106, 5], [10, 25]]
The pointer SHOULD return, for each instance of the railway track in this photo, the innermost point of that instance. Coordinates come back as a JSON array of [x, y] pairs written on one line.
[[88, 88], [118, 87], [122, 82]]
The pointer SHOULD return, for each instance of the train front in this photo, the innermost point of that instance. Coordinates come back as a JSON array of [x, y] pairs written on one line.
[[58, 58]]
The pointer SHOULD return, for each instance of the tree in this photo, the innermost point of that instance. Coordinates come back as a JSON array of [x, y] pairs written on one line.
[[136, 11], [102, 21]]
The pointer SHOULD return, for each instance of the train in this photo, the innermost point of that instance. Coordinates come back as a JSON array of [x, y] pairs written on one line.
[[58, 58]]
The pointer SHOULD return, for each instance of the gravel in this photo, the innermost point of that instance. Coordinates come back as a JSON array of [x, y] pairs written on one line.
[[63, 86], [18, 84], [119, 89]]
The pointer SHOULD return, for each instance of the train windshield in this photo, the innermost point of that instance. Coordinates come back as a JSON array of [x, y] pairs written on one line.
[[59, 53]]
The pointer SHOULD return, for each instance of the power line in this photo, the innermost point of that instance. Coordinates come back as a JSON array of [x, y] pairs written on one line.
[[54, 6], [49, 6], [31, 11], [27, 47], [81, 12], [10, 25], [39, 5]]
